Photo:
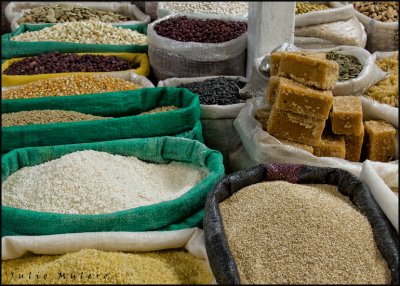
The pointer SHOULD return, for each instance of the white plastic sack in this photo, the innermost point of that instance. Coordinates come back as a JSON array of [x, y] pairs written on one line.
[[264, 148], [383, 195], [14, 10], [170, 58], [333, 14], [348, 32], [380, 35], [258, 82], [216, 120], [313, 43], [375, 110], [126, 75], [164, 9]]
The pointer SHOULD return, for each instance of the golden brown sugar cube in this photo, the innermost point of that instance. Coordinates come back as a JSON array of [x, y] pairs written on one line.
[[331, 146], [298, 98], [295, 127], [307, 148], [272, 88], [379, 141], [346, 115], [354, 146], [309, 70], [274, 61]]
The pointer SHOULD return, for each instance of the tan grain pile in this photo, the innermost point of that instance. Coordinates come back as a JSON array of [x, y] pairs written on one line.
[[90, 266], [286, 233], [44, 116], [160, 109]]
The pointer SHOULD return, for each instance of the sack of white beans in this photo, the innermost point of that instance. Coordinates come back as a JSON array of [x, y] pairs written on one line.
[[216, 119], [184, 45], [15, 11], [382, 34], [323, 26], [156, 257]]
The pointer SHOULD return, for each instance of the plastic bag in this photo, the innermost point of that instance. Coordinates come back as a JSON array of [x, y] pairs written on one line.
[[164, 10], [263, 147], [348, 32], [141, 59], [14, 11], [220, 257], [313, 43], [383, 195], [381, 36], [375, 110], [151, 9], [122, 105], [170, 58], [217, 120], [183, 212]]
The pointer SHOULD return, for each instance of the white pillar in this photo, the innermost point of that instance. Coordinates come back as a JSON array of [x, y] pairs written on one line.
[[269, 25]]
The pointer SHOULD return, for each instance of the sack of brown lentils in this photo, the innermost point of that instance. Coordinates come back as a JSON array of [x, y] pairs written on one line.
[[18, 71], [155, 257], [321, 25], [295, 224], [185, 45], [382, 99], [380, 20], [121, 185], [33, 13], [51, 40], [117, 117], [262, 147], [220, 103]]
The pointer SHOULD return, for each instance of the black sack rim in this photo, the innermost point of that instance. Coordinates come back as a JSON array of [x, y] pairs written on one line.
[[220, 257]]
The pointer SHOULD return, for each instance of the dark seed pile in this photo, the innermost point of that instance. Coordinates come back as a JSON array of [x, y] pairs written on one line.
[[57, 63], [184, 29], [349, 66], [221, 90]]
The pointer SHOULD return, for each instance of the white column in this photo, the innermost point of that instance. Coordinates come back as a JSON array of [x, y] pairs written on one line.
[[269, 25]]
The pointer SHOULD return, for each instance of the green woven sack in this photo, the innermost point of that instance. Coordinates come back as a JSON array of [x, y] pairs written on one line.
[[183, 212], [123, 104], [14, 49]]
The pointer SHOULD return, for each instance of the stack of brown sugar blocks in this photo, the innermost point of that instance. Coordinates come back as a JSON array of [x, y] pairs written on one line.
[[305, 114]]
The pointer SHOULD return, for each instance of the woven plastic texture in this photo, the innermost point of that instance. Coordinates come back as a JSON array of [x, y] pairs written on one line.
[[183, 212], [13, 49], [221, 260], [125, 105]]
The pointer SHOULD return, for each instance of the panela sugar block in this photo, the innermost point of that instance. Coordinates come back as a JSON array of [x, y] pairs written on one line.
[[295, 127], [309, 70], [272, 88], [354, 146], [346, 115], [307, 148], [331, 146], [298, 98], [379, 141], [274, 60]]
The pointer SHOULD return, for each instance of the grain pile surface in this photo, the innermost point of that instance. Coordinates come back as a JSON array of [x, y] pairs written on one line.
[[222, 8], [84, 32], [176, 266], [92, 182], [286, 233], [69, 85], [387, 90], [160, 109], [44, 116]]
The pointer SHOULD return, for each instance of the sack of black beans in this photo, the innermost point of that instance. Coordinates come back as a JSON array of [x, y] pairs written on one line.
[[137, 184], [119, 117], [269, 223], [220, 103], [262, 147], [184, 45], [34, 13], [380, 20], [159, 257], [381, 100], [321, 25]]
